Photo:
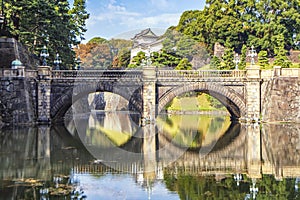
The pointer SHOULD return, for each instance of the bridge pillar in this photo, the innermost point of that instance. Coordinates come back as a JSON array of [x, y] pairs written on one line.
[[253, 94], [149, 94], [44, 91]]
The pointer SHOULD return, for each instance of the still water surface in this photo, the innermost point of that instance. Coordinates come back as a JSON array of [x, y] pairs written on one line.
[[109, 156]]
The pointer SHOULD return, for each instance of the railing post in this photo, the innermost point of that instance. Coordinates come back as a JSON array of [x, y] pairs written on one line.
[[149, 94], [44, 90]]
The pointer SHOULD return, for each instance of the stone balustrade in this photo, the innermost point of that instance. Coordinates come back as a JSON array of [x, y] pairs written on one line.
[[95, 74], [161, 74], [201, 73]]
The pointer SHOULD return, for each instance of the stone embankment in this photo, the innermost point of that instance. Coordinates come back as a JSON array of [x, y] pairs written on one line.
[[17, 100], [282, 100]]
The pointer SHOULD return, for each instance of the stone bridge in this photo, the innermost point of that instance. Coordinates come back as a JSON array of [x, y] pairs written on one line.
[[45, 95]]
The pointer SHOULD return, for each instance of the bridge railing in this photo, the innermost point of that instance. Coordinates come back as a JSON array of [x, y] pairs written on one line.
[[201, 73], [96, 74], [21, 72], [284, 72], [267, 73], [31, 73], [290, 72]]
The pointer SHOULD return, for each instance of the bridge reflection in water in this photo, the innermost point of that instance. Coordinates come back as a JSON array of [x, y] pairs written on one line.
[[170, 150]]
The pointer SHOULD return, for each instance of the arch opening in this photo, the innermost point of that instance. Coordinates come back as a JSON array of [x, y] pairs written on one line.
[[230, 99], [195, 102], [61, 105]]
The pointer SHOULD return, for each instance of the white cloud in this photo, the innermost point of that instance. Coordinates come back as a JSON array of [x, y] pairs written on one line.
[[161, 4], [111, 13], [117, 8], [163, 20]]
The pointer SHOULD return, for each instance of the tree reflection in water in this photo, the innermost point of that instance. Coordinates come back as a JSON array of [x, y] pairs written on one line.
[[51, 162]]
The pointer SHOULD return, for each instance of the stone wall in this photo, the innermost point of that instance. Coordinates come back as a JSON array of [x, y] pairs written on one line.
[[281, 99], [17, 100]]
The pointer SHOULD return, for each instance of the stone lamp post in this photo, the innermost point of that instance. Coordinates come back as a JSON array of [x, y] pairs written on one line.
[[78, 62], [237, 61], [44, 54], [57, 62], [252, 54], [2, 14], [18, 67]]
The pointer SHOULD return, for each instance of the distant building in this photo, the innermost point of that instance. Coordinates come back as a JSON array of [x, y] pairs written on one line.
[[146, 41]]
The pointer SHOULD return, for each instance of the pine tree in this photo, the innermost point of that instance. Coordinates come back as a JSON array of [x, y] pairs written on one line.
[[215, 63], [281, 59], [263, 60], [184, 64], [228, 57]]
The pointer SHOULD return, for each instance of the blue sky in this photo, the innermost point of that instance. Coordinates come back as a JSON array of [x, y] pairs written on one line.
[[113, 18]]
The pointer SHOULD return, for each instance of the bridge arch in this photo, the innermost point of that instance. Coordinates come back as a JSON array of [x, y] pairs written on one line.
[[233, 101], [60, 106]]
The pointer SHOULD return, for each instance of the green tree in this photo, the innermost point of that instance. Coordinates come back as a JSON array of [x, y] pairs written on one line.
[[228, 57], [179, 45], [137, 60], [280, 53], [263, 60], [244, 22], [185, 47], [242, 64], [37, 23], [165, 59], [79, 16], [122, 60], [184, 64], [97, 40], [215, 62], [268, 19], [99, 57]]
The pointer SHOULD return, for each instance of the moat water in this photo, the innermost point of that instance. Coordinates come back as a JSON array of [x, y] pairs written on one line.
[[108, 155]]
